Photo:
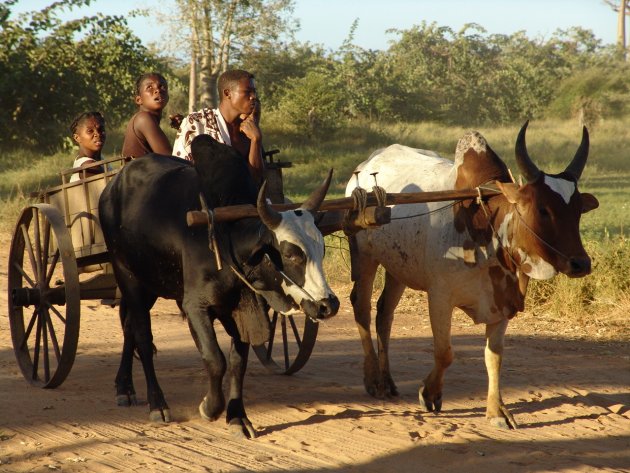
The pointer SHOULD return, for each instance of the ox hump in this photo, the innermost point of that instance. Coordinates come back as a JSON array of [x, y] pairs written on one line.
[[476, 163]]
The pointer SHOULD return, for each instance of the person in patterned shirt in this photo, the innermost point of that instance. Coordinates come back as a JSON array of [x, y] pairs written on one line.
[[234, 122]]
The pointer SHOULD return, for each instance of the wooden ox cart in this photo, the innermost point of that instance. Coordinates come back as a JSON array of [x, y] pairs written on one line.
[[58, 258]]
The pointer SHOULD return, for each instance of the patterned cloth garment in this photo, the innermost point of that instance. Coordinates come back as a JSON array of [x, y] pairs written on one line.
[[206, 121]]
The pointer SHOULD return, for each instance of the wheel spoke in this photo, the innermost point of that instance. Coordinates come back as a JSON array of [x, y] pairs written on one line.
[[29, 248], [53, 336], [38, 247], [45, 348], [272, 331], [38, 332], [285, 343], [28, 330], [51, 268], [45, 247], [295, 331], [57, 313], [24, 275]]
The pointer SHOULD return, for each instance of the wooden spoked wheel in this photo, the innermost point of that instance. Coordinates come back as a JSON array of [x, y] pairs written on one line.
[[290, 344], [44, 296]]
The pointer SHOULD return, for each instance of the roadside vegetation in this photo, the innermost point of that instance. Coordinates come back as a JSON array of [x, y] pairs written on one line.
[[330, 109]]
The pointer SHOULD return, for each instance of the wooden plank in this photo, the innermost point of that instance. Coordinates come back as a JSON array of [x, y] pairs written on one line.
[[235, 212]]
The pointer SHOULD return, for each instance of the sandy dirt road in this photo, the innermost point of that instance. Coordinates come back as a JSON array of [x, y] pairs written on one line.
[[568, 387]]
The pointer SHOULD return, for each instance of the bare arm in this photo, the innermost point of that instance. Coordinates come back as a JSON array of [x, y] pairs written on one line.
[[249, 127], [146, 125]]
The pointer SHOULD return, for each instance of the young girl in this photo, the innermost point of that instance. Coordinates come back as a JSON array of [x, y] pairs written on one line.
[[143, 134], [88, 131]]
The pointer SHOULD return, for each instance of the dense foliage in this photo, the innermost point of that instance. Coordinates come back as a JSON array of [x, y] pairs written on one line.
[[50, 70], [432, 73]]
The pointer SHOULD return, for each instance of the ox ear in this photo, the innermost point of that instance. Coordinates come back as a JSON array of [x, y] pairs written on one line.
[[509, 190], [589, 202]]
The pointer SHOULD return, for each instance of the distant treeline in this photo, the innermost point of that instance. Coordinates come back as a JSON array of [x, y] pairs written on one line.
[[51, 70]]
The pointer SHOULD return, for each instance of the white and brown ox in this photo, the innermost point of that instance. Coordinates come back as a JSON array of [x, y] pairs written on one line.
[[478, 258]]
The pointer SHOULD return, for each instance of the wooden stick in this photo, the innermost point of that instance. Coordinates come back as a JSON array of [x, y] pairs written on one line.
[[235, 212]]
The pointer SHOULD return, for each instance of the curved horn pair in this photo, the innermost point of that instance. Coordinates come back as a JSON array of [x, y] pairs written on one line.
[[272, 218], [531, 172]]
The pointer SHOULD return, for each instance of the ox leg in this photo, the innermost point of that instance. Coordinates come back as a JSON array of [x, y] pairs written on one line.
[[202, 330], [125, 391], [360, 297], [236, 418], [385, 307], [496, 412], [430, 395], [137, 333]]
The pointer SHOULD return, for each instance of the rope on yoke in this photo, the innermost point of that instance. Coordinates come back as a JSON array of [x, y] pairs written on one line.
[[361, 216], [212, 239], [381, 195]]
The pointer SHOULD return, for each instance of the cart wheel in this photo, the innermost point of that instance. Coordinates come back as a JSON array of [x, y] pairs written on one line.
[[291, 348], [44, 296]]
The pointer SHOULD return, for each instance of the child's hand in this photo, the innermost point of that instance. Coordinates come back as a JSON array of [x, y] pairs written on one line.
[[176, 120]]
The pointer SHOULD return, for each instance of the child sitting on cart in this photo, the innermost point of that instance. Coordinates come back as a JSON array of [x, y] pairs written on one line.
[[88, 131], [143, 134]]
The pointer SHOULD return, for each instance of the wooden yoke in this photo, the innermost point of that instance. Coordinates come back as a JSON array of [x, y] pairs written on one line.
[[235, 212]]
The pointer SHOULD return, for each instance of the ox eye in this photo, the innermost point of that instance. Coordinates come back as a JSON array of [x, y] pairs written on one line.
[[543, 211], [297, 259]]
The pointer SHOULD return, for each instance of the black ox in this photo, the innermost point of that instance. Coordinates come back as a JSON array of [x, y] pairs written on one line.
[[275, 260]]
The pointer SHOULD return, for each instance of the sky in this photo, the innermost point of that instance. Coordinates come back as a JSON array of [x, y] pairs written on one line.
[[328, 22]]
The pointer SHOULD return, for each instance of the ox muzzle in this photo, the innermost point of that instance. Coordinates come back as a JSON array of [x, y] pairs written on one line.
[[321, 309], [578, 267]]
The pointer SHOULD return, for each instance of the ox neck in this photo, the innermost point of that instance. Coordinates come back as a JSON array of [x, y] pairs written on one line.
[[494, 210]]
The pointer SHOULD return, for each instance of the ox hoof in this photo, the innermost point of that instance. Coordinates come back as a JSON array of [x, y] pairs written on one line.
[[160, 415], [242, 428], [427, 404], [499, 423], [126, 400], [209, 412], [504, 421]]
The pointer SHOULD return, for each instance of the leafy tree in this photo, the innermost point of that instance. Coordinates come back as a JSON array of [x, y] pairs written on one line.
[[276, 66], [51, 70], [218, 31]]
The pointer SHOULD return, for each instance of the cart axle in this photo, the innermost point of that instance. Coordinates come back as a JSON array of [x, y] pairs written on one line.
[[26, 296]]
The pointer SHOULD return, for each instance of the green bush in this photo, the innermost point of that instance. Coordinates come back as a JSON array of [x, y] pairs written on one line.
[[593, 94], [311, 106]]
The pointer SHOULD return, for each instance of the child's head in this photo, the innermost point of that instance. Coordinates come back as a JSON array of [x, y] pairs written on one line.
[[88, 131], [151, 92]]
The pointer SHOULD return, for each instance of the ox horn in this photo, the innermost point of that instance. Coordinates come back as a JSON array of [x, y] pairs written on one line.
[[579, 160], [318, 195], [270, 217], [527, 167]]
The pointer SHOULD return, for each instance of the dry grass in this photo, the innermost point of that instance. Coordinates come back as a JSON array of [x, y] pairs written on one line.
[[599, 301]]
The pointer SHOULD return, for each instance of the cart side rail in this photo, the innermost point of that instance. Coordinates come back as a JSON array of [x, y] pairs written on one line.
[[77, 202]]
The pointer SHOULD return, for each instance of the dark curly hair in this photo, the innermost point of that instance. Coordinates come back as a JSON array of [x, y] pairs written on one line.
[[85, 116]]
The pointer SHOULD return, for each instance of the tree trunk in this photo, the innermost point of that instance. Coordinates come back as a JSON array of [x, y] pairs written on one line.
[[621, 30], [192, 87]]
